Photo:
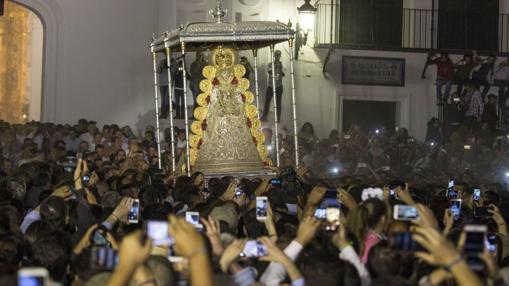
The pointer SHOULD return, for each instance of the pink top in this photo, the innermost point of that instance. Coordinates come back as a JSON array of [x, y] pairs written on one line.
[[370, 240]]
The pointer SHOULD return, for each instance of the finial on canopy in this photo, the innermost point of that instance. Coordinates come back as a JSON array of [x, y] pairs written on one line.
[[218, 13]]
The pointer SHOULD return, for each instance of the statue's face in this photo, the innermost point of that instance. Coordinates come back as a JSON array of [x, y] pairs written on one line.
[[223, 58]]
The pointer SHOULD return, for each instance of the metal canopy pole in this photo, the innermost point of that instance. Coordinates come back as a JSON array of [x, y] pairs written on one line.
[[170, 98], [156, 98], [257, 90], [276, 129], [186, 119], [294, 107]]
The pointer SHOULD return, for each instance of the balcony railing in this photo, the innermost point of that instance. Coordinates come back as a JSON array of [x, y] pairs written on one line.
[[418, 28]]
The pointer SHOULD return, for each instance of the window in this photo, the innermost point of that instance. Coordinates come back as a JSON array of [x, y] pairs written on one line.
[[366, 23], [468, 24]]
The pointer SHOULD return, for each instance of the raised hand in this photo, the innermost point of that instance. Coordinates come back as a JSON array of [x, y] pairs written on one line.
[[188, 241], [231, 253], [213, 232], [308, 228]]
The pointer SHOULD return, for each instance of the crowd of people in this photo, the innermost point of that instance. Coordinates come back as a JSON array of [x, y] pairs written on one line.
[[81, 203], [468, 103]]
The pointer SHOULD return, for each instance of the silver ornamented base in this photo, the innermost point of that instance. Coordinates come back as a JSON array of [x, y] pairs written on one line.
[[262, 174]]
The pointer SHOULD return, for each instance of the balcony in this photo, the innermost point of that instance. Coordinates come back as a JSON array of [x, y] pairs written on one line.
[[418, 30]]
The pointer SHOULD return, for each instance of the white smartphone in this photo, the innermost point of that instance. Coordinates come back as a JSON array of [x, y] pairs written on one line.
[[194, 219], [474, 245], [134, 213], [254, 248], [261, 208], [157, 231], [466, 147], [405, 213], [33, 276], [332, 214]]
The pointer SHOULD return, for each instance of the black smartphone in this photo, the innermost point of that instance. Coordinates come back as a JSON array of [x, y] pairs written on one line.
[[482, 213], [474, 245], [98, 237], [402, 241], [451, 192], [455, 207], [275, 182], [103, 258], [476, 196]]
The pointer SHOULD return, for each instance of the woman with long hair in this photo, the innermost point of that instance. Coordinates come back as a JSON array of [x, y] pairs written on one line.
[[366, 224]]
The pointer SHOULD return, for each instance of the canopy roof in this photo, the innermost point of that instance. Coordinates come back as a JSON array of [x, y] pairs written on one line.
[[241, 35]]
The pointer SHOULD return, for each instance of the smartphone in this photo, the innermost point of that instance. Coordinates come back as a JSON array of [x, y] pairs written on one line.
[[405, 213], [347, 136], [321, 213], [134, 213], [261, 208], [455, 207], [362, 165], [157, 231], [476, 196], [466, 147], [238, 192], [33, 276], [254, 248], [332, 218], [98, 237], [194, 219], [482, 213], [330, 199], [85, 179], [491, 242], [451, 192], [474, 245], [103, 258], [402, 241], [275, 182]]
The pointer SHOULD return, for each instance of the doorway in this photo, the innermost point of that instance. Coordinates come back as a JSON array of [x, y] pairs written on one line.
[[369, 115]]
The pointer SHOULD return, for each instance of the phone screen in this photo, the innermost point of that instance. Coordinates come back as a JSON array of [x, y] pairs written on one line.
[[194, 219], [451, 192], [157, 231], [261, 208], [491, 242], [254, 248], [103, 258], [134, 213], [477, 195], [455, 208], [474, 245], [275, 182], [321, 213], [404, 212], [31, 280], [99, 237]]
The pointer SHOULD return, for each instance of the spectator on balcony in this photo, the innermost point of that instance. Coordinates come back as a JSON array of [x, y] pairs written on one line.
[[463, 70], [475, 105], [445, 74], [482, 73], [490, 112], [501, 80]]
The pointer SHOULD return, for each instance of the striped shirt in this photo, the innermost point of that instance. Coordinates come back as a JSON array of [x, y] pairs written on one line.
[[476, 105]]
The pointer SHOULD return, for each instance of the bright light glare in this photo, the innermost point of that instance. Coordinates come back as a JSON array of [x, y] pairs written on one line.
[[377, 131], [307, 21], [335, 170], [269, 147], [507, 174], [432, 143]]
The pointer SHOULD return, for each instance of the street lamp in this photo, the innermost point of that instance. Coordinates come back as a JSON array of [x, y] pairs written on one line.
[[307, 16], [306, 24]]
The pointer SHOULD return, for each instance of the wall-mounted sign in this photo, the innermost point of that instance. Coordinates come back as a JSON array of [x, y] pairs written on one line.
[[373, 71]]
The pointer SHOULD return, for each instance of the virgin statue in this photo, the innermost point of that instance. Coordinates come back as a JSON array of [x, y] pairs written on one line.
[[226, 133]]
